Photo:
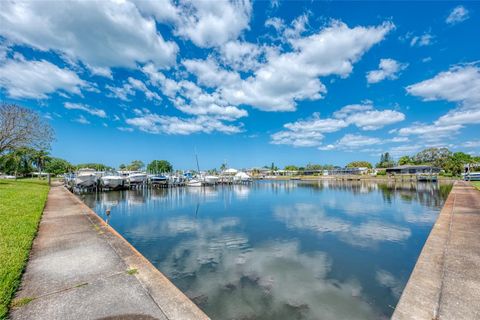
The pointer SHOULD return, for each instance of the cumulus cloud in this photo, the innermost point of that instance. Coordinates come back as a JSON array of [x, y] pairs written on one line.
[[387, 69], [458, 14], [365, 117], [130, 87], [241, 56], [213, 23], [289, 77], [352, 142], [36, 79], [83, 107], [153, 123], [461, 85], [189, 98], [310, 132], [101, 34]]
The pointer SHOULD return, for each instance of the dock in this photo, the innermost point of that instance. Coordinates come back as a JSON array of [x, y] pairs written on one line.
[[445, 283], [81, 268]]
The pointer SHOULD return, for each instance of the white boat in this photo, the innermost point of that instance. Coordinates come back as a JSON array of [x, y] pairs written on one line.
[[112, 181], [85, 178], [137, 178], [210, 180], [194, 183], [242, 177]]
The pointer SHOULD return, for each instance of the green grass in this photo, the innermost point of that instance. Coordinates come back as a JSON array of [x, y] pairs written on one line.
[[476, 184], [21, 206]]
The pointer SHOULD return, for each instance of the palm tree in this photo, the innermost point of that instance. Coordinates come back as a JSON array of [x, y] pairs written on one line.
[[39, 159]]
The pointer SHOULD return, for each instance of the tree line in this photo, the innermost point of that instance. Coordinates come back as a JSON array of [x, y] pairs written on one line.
[[452, 163]]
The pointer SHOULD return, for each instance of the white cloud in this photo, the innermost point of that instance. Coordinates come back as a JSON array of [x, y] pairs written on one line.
[[241, 56], [366, 117], [458, 14], [277, 23], [425, 39], [353, 142], [213, 23], [101, 34], [125, 129], [210, 74], [37, 79], [130, 87], [189, 98], [83, 107], [472, 144], [430, 132], [387, 69], [310, 132], [81, 119], [156, 124], [286, 78], [460, 84]]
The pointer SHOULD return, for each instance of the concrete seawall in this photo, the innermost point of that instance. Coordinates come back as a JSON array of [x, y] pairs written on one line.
[[445, 283], [81, 268]]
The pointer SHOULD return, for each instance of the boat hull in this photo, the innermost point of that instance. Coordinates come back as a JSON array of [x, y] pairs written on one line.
[[112, 182], [85, 181]]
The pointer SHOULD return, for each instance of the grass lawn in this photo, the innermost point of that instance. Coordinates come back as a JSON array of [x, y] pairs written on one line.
[[476, 184], [21, 206]]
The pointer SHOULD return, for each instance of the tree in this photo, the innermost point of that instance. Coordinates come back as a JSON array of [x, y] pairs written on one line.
[[433, 156], [159, 166], [273, 167], [291, 168], [122, 167], [359, 164], [223, 167], [385, 161], [405, 160], [57, 166], [39, 159], [18, 162], [135, 165], [21, 128]]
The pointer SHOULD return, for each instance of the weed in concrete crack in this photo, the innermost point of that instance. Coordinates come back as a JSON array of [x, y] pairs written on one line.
[[132, 271], [20, 302]]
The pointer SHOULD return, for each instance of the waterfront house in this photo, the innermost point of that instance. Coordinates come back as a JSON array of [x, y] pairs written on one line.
[[413, 169]]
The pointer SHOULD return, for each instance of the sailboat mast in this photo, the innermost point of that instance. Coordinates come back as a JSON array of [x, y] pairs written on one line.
[[198, 167]]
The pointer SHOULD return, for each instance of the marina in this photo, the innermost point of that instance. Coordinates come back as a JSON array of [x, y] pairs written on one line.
[[85, 180]]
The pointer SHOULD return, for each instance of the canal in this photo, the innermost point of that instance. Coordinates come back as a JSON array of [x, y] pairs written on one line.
[[281, 250]]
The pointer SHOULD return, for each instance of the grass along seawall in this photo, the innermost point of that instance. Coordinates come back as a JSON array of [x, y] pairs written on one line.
[[21, 206]]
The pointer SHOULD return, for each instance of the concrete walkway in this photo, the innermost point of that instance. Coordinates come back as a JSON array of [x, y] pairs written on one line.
[[445, 283], [80, 268]]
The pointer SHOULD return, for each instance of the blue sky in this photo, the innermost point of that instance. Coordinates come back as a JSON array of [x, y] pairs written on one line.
[[248, 83]]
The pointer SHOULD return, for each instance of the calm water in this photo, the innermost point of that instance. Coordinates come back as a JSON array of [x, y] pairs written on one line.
[[282, 250]]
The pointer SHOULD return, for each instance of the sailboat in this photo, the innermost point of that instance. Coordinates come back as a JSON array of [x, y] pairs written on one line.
[[196, 182]]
